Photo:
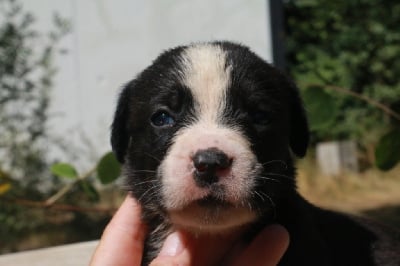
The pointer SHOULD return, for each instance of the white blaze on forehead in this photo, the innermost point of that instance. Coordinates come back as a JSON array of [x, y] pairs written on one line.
[[207, 76]]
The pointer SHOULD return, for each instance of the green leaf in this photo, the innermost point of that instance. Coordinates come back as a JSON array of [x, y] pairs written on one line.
[[387, 152], [320, 106], [89, 190], [64, 170], [108, 168]]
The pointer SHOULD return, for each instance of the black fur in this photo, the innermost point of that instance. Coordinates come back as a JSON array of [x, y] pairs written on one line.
[[257, 91]]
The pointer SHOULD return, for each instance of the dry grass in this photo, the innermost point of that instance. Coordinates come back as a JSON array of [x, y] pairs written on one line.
[[373, 193]]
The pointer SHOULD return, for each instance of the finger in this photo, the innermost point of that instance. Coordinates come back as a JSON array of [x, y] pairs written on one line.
[[181, 248], [122, 240], [266, 249], [174, 251]]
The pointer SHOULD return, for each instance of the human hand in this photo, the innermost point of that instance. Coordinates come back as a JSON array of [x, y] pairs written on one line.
[[123, 239]]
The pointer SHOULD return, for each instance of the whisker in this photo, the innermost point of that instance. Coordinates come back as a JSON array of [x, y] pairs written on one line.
[[269, 178], [145, 182], [149, 155], [280, 175], [276, 161], [152, 156], [149, 190], [151, 196], [272, 204], [144, 171], [260, 196]]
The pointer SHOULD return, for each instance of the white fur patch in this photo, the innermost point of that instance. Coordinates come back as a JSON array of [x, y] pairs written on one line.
[[200, 219], [208, 78]]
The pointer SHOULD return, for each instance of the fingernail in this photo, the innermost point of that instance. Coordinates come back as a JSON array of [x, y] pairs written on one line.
[[172, 245]]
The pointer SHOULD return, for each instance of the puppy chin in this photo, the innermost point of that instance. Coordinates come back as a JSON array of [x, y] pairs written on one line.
[[203, 217]]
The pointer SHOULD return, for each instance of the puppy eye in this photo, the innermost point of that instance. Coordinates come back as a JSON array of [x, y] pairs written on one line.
[[259, 117], [162, 119]]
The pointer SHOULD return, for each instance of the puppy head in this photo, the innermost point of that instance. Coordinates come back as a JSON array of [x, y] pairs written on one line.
[[206, 135]]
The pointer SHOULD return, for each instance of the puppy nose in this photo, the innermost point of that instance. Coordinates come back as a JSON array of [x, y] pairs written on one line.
[[207, 164]]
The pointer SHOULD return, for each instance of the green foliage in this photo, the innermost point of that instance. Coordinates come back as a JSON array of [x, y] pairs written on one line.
[[89, 190], [388, 150], [108, 168], [64, 170], [84, 187], [321, 108], [350, 44]]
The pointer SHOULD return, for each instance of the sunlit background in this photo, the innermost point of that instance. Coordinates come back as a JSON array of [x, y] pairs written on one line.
[[111, 41], [62, 63]]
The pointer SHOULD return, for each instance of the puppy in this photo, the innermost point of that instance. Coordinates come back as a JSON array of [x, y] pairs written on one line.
[[207, 136]]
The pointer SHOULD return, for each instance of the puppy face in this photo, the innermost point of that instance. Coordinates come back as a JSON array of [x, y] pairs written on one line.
[[206, 135]]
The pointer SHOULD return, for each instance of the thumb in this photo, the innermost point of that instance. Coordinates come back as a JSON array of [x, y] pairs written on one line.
[[173, 252]]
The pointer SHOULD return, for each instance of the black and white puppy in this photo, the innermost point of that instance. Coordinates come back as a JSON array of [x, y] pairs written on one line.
[[207, 136]]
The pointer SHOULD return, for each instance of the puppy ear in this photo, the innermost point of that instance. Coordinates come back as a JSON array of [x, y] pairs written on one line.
[[299, 132], [119, 128]]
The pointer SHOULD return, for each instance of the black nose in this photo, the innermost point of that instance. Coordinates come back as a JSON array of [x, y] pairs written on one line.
[[207, 163]]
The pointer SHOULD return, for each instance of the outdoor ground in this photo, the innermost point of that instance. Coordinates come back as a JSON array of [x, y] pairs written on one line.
[[373, 193]]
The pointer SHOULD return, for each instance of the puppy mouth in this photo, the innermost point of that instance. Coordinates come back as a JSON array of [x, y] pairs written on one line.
[[212, 201], [207, 199], [213, 197], [211, 213]]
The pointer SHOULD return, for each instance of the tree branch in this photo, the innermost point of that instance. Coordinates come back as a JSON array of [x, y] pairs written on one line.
[[59, 194], [359, 96], [59, 207]]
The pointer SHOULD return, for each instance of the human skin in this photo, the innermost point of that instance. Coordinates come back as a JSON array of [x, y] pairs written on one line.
[[123, 240]]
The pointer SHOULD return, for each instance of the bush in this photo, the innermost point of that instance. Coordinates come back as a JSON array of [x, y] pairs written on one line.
[[344, 54]]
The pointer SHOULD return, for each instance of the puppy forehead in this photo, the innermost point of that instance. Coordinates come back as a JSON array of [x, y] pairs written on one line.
[[207, 75]]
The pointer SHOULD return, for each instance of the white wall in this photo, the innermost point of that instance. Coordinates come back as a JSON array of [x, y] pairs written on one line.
[[113, 40]]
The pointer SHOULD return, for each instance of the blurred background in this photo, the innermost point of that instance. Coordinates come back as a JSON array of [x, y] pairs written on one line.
[[62, 63]]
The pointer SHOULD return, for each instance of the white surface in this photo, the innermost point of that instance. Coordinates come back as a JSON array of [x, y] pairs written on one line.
[[67, 255], [112, 41], [336, 157]]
